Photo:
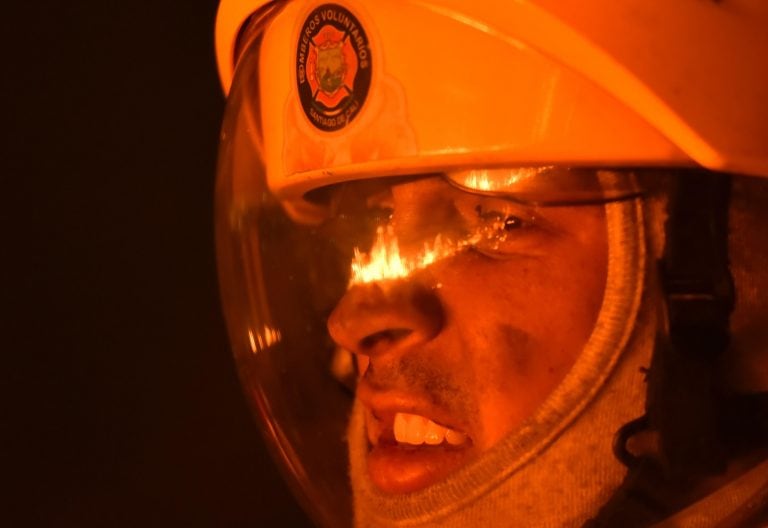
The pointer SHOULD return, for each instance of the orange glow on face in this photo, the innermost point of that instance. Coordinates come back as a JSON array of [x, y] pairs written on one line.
[[461, 321], [385, 262]]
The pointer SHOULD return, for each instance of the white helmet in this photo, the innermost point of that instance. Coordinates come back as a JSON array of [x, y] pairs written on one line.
[[542, 124]]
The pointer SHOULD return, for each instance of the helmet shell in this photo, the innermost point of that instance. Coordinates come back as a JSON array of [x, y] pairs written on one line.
[[499, 83]]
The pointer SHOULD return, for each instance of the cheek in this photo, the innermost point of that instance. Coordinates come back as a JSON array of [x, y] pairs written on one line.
[[521, 324], [552, 303]]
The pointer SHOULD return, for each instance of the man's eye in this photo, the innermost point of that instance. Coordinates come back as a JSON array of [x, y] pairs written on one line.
[[512, 222], [499, 221], [497, 232]]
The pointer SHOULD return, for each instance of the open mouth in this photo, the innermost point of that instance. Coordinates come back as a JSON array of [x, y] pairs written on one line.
[[412, 429], [408, 452]]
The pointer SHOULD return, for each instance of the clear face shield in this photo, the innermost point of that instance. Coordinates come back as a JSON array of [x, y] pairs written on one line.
[[442, 306], [433, 255]]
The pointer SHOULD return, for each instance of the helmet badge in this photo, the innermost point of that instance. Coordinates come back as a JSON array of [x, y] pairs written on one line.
[[333, 67]]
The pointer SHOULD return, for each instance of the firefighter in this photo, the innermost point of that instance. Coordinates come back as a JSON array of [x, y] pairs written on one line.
[[501, 264]]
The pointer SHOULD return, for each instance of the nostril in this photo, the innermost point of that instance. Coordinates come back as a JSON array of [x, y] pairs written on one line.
[[385, 338], [371, 319]]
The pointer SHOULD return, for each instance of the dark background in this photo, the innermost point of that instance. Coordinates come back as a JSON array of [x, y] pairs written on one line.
[[120, 402]]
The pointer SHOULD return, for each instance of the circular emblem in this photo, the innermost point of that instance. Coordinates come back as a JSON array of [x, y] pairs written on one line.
[[333, 67]]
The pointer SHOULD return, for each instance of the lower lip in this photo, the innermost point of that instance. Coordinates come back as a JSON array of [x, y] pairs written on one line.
[[396, 468]]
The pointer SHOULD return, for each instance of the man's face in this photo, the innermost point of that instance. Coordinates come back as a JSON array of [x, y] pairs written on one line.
[[459, 353]]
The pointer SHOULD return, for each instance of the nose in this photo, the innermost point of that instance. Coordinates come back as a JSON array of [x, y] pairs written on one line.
[[372, 319]]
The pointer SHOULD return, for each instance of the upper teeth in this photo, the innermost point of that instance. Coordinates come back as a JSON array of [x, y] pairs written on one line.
[[416, 430]]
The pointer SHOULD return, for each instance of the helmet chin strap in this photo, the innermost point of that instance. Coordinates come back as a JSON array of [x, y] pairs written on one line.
[[685, 394], [686, 397]]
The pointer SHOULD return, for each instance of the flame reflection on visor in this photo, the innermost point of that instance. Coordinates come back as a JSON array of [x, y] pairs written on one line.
[[486, 180], [384, 261], [484, 210]]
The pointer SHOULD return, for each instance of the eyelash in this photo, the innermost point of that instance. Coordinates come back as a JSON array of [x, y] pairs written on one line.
[[496, 230]]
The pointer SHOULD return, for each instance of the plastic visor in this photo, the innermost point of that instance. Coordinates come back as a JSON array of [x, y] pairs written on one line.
[[274, 305], [281, 276]]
